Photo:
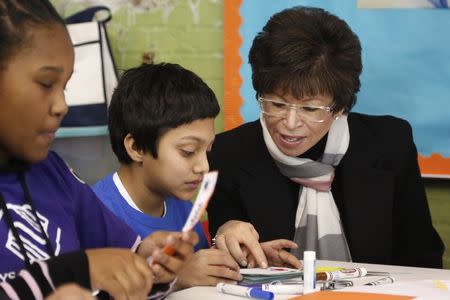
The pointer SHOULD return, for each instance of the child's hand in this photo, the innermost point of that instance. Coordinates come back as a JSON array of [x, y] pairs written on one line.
[[70, 292], [276, 255], [119, 272], [166, 267], [208, 267]]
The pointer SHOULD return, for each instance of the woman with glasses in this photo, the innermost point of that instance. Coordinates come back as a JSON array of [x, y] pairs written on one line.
[[343, 184]]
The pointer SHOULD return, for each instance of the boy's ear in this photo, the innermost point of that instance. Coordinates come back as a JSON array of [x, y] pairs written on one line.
[[130, 145]]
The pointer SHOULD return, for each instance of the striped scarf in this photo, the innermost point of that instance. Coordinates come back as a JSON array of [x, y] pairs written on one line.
[[317, 223]]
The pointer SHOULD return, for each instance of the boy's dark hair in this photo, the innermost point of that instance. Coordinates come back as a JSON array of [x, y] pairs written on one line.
[[150, 99], [307, 51], [16, 18]]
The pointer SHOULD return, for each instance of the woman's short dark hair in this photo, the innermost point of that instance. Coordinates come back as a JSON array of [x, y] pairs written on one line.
[[307, 51], [150, 99], [16, 17]]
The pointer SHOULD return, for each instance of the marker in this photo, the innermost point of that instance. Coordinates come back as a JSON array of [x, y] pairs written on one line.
[[309, 276], [335, 285], [287, 289], [381, 281], [341, 274], [200, 204], [237, 290]]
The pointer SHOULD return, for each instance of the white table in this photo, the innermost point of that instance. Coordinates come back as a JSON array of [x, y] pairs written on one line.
[[401, 274]]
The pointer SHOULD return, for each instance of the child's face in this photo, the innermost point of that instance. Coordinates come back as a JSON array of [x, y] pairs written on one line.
[[181, 161], [32, 94]]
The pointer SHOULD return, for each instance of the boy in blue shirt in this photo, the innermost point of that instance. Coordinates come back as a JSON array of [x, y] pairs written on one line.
[[161, 125]]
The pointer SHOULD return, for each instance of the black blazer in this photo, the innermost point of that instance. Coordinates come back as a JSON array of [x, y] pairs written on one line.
[[377, 188]]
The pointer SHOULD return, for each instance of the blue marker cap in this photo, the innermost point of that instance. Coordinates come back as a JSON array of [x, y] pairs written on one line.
[[260, 294]]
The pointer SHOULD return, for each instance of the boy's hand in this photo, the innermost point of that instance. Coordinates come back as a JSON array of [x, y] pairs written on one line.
[[239, 239], [119, 272], [208, 267], [276, 255], [166, 267]]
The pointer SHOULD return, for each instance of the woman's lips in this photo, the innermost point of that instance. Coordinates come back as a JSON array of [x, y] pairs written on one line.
[[291, 141]]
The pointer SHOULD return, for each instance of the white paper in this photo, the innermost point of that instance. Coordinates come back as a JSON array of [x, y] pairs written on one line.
[[269, 271]]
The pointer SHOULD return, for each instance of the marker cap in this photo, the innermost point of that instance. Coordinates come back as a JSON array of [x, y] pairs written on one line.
[[309, 255], [260, 294]]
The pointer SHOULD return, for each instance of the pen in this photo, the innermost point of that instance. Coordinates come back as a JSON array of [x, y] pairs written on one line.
[[203, 196], [309, 275], [341, 274], [385, 280], [288, 289], [335, 285], [236, 290]]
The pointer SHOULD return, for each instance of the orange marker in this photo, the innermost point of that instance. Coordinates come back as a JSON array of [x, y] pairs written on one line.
[[341, 274]]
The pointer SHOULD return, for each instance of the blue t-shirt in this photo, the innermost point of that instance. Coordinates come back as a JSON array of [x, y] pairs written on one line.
[[69, 211], [177, 211]]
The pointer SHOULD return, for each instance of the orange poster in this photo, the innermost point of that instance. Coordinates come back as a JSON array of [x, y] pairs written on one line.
[[329, 295]]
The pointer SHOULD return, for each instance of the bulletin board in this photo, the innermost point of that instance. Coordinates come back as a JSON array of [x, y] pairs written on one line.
[[406, 65]]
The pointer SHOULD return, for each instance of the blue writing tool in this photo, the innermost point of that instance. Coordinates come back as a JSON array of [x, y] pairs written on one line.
[[237, 290]]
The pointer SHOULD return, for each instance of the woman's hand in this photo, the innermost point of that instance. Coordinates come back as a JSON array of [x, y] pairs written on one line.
[[240, 239], [276, 254], [208, 267]]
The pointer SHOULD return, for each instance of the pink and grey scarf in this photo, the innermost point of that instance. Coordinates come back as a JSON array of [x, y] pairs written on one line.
[[317, 223]]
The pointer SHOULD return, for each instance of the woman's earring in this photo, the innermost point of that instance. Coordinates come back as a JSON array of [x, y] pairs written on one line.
[[337, 117]]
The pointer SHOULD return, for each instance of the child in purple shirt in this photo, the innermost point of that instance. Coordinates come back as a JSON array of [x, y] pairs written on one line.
[[45, 210]]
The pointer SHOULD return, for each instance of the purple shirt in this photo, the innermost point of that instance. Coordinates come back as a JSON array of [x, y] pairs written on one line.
[[70, 213]]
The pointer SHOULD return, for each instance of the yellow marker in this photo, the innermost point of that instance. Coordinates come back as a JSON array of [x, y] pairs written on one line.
[[328, 269], [440, 285]]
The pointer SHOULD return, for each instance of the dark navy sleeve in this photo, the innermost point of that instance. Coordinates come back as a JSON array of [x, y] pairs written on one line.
[[96, 225], [41, 278]]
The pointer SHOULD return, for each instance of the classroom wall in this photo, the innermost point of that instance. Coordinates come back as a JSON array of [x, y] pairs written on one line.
[[438, 192], [187, 32], [190, 33]]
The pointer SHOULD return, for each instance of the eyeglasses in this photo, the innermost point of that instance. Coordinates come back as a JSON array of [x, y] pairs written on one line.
[[313, 113]]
